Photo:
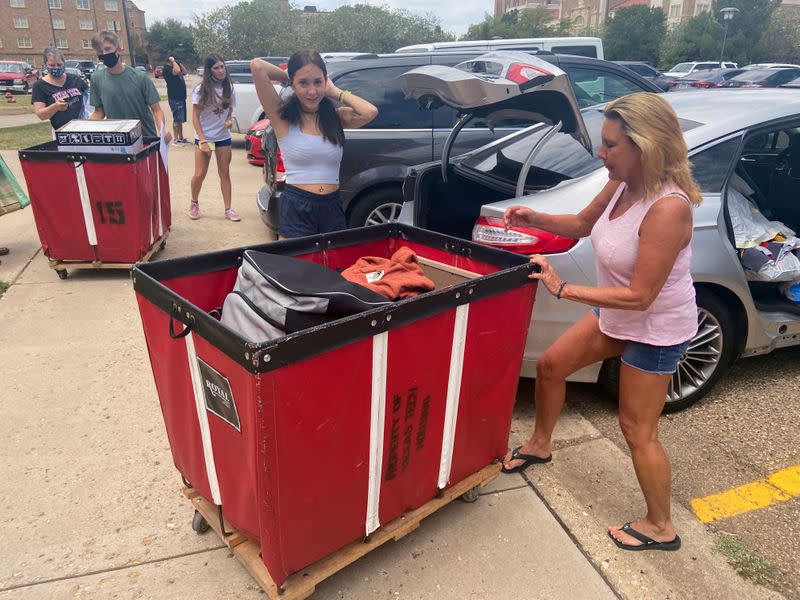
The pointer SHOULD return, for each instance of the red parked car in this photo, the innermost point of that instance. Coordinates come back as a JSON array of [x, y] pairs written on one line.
[[256, 136]]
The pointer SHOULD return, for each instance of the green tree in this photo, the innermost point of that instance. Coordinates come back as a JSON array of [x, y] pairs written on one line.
[[635, 33], [699, 38], [368, 28], [530, 22], [781, 40], [271, 27], [211, 32], [172, 37], [747, 28]]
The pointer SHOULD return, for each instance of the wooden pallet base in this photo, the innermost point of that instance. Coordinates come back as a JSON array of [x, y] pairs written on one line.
[[302, 584], [61, 266]]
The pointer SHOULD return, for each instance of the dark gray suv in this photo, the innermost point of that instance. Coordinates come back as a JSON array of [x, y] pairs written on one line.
[[376, 156]]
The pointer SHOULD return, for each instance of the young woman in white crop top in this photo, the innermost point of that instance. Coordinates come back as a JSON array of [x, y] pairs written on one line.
[[310, 132], [644, 307]]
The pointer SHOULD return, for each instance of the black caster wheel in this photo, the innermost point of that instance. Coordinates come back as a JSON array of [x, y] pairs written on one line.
[[199, 523], [62, 273], [162, 245], [471, 495]]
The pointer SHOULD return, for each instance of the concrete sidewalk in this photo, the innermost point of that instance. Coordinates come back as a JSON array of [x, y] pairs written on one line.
[[18, 120], [93, 503]]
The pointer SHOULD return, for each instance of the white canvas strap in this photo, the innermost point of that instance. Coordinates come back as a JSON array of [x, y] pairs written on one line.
[[202, 419], [158, 196], [149, 173], [453, 393], [86, 204], [380, 346]]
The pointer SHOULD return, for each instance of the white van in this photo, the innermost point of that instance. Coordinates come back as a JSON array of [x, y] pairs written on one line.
[[580, 46]]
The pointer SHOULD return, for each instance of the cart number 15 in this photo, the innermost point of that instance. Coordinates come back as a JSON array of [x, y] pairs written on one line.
[[111, 212]]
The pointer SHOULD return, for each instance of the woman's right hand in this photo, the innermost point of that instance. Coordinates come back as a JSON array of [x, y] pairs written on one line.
[[61, 105], [204, 147], [516, 216]]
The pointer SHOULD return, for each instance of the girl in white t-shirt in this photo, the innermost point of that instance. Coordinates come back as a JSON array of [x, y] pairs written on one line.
[[212, 104]]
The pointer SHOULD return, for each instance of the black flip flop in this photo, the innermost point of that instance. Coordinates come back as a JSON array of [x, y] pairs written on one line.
[[529, 459], [647, 542]]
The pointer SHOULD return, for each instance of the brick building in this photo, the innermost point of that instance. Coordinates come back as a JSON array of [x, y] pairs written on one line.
[[591, 14], [28, 26]]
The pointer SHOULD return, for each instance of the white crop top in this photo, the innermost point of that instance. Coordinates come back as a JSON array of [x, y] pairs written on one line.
[[309, 158]]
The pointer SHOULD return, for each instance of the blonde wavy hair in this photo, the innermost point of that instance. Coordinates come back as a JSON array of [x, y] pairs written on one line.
[[650, 122]]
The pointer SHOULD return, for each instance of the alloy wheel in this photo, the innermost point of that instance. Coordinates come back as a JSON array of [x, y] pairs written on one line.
[[384, 213], [701, 360]]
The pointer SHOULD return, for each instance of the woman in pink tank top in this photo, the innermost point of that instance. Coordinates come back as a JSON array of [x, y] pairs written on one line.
[[644, 305]]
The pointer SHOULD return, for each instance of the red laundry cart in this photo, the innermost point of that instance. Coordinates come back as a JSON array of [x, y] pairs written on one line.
[[314, 440], [97, 210]]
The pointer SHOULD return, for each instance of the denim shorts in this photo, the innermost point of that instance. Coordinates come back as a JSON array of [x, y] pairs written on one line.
[[178, 108], [219, 144], [658, 360], [304, 213]]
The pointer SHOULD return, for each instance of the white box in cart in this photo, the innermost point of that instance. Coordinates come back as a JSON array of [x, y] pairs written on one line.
[[110, 136]]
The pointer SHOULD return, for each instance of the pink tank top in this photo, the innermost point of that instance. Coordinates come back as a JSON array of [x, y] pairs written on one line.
[[672, 317]]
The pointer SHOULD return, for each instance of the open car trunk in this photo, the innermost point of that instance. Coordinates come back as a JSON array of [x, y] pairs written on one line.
[[452, 207]]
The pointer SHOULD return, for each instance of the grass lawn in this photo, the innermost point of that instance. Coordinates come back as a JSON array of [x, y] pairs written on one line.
[[14, 138], [20, 107]]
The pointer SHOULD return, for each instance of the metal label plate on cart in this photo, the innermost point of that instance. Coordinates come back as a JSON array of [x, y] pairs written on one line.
[[218, 394]]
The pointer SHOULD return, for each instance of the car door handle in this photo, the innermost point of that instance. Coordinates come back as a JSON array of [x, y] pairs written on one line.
[[747, 160]]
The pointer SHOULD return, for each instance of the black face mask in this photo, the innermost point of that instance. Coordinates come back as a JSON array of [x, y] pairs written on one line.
[[110, 60]]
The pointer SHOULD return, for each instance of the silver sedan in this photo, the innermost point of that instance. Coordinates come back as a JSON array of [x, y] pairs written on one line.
[[744, 143]]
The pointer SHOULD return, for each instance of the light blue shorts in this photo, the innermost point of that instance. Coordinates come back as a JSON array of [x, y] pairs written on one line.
[[658, 360]]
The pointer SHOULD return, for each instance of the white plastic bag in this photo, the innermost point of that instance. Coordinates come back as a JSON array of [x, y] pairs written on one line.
[[786, 267], [750, 227]]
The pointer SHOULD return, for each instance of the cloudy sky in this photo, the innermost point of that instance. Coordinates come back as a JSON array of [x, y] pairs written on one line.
[[455, 15]]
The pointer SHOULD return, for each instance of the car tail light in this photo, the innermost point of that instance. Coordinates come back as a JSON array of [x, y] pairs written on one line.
[[279, 166], [522, 240], [702, 84], [521, 73]]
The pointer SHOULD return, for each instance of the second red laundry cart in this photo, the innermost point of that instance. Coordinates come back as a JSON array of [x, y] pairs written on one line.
[[97, 210]]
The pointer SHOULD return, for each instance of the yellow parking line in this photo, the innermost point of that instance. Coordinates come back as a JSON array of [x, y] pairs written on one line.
[[778, 487]]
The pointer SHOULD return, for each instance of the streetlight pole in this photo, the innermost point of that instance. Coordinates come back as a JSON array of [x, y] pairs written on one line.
[[727, 15]]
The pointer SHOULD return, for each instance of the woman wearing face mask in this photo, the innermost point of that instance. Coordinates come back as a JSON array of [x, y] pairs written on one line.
[[310, 132], [212, 104], [58, 96]]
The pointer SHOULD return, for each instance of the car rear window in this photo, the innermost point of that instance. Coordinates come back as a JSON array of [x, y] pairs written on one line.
[[754, 75], [589, 51], [561, 158]]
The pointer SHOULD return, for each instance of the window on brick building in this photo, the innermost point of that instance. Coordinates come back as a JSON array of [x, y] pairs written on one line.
[[59, 24], [86, 24], [110, 5], [21, 22], [82, 4], [112, 25], [62, 43], [17, 3], [24, 42], [54, 3], [86, 44], [675, 11]]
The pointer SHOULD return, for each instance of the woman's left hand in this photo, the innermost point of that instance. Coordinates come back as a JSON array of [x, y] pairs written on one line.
[[228, 123], [331, 91], [547, 275]]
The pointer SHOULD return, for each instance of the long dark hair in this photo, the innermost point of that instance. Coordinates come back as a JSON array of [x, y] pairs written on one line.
[[208, 94], [329, 123]]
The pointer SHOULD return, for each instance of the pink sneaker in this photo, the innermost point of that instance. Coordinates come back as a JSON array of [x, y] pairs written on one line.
[[194, 210], [232, 215]]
